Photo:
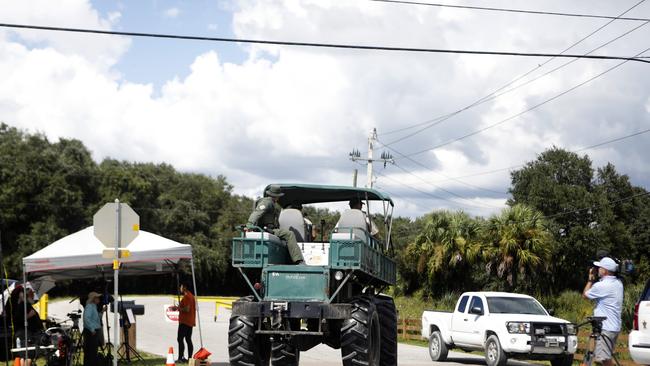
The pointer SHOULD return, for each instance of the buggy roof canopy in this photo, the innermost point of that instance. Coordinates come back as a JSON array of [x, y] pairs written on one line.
[[79, 255], [312, 193]]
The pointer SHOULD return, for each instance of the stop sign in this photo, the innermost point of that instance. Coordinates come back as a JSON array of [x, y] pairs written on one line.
[[105, 224]]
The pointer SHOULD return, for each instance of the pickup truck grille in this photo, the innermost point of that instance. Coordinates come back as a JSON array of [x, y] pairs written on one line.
[[548, 329]]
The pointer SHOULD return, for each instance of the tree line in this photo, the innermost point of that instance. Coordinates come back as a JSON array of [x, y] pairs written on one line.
[[51, 189], [561, 211]]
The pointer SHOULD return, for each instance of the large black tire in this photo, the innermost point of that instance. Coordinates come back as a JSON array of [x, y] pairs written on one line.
[[244, 347], [438, 350], [566, 360], [285, 354], [388, 322], [494, 355], [361, 334]]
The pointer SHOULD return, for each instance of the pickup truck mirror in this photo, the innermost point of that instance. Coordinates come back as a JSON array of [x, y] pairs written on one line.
[[476, 310], [551, 312]]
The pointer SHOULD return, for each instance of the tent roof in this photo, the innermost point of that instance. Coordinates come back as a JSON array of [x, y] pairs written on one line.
[[79, 255]]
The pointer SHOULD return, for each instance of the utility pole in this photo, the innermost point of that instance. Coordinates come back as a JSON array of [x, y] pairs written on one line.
[[386, 158]]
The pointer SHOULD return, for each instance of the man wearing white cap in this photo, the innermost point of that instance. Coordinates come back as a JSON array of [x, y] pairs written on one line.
[[608, 293]]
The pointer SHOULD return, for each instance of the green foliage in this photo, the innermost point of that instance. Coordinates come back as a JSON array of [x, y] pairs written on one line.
[[518, 247], [51, 189], [586, 213]]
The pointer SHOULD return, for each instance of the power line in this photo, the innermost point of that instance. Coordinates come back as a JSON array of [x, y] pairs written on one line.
[[506, 10], [495, 94], [476, 132], [434, 196], [430, 169], [597, 206], [440, 188], [314, 44], [606, 142]]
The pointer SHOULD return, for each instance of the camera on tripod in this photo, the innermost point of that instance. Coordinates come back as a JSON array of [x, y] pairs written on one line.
[[75, 315], [596, 323]]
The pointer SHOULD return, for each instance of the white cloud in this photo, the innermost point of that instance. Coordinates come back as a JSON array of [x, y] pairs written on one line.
[[293, 114], [172, 12], [213, 27], [69, 13]]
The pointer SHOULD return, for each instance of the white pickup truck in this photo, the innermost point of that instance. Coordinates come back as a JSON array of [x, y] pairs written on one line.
[[504, 325], [639, 340]]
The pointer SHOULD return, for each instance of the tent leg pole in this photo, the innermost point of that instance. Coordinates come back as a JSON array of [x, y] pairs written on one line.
[[198, 313], [26, 337]]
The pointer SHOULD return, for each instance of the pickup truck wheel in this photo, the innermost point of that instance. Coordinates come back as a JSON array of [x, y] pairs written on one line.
[[361, 334], [283, 353], [494, 355], [437, 348], [565, 360], [388, 322]]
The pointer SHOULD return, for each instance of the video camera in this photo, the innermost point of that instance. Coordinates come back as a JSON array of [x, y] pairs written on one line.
[[75, 315], [625, 266], [596, 323]]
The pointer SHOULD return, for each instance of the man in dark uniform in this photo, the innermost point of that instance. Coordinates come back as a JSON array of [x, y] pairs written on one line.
[[266, 214]]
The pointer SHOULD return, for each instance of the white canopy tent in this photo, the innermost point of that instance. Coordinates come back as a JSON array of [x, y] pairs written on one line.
[[79, 256]]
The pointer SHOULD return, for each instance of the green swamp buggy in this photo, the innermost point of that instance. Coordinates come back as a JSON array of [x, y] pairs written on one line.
[[334, 298]]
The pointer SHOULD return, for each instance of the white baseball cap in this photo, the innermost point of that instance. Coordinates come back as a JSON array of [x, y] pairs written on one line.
[[607, 263]]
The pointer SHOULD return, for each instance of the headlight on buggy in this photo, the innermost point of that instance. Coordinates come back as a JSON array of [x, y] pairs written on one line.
[[518, 327], [571, 329]]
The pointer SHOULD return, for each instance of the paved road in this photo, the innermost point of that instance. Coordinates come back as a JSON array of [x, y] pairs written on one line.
[[154, 335]]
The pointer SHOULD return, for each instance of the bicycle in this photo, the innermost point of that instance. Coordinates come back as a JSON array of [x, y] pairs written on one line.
[[596, 323]]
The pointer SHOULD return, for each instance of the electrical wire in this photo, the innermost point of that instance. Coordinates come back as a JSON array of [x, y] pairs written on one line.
[[596, 206], [476, 132], [443, 189], [559, 214], [432, 170], [314, 44], [496, 93], [597, 145], [506, 10]]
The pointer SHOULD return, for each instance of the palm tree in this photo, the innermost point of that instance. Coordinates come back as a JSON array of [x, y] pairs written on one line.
[[519, 244], [448, 245]]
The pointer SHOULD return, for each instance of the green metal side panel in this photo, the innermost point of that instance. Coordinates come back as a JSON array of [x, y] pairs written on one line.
[[256, 253], [296, 282], [355, 254]]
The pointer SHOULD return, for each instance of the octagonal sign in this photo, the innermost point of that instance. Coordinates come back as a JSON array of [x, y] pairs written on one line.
[[105, 225]]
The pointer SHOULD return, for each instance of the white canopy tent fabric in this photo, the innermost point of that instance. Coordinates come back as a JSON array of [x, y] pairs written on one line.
[[79, 256]]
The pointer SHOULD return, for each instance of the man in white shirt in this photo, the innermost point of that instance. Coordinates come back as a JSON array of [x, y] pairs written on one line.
[[357, 204], [608, 293]]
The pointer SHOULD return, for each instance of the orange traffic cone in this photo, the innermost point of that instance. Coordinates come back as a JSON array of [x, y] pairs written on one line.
[[17, 361], [170, 357]]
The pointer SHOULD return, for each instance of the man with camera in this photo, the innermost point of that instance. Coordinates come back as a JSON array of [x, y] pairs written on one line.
[[608, 294]]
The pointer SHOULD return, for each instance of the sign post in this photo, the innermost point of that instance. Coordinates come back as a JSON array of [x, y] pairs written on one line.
[[116, 225]]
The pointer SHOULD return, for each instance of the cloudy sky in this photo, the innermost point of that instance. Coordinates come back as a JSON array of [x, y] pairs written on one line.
[[261, 114]]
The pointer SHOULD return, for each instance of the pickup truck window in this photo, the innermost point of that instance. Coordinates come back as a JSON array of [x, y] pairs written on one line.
[[462, 304], [476, 302], [514, 305]]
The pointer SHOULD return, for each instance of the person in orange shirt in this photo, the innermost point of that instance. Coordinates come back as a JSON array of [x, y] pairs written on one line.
[[186, 321]]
